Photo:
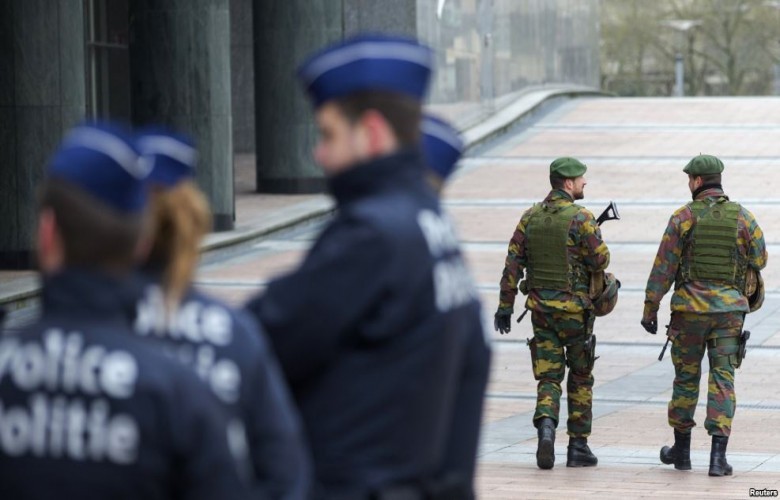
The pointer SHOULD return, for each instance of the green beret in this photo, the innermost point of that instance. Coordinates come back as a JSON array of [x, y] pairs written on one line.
[[704, 165], [567, 167]]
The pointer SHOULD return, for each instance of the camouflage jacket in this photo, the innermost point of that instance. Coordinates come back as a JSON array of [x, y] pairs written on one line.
[[584, 243], [701, 296]]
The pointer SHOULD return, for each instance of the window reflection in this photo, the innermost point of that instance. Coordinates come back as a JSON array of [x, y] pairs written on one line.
[[489, 50]]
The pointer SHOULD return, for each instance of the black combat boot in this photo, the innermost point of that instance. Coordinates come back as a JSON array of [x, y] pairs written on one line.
[[579, 454], [680, 453], [718, 464], [545, 453]]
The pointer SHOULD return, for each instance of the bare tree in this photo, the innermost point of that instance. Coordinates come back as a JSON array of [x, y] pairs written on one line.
[[629, 52], [731, 48]]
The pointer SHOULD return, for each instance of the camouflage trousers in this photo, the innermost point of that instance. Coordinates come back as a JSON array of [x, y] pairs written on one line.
[[691, 335], [560, 337]]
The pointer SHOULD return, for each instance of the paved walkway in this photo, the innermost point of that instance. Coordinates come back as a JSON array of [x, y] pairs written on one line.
[[635, 149]]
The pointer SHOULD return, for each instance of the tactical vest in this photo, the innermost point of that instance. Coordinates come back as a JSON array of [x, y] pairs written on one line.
[[710, 252], [549, 264]]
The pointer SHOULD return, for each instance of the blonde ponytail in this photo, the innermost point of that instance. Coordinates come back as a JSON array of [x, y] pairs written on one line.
[[181, 217]]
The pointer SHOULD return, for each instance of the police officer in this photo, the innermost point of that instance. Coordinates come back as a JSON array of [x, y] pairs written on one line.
[[224, 347], [87, 409], [709, 250], [442, 147], [374, 328], [558, 244]]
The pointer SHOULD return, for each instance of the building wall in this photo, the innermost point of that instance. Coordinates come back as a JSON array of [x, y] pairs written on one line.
[[42, 94], [223, 70]]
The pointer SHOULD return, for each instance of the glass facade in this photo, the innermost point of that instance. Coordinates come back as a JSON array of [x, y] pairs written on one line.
[[489, 50]]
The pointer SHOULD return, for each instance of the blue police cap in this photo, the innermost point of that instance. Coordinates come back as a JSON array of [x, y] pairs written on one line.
[[169, 156], [442, 145], [368, 62], [100, 158]]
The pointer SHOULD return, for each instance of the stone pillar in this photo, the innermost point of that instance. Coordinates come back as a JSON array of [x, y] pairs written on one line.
[[242, 67], [42, 94], [180, 77], [285, 33]]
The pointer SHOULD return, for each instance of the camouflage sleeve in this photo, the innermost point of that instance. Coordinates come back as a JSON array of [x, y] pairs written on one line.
[[667, 260], [595, 253], [513, 266], [757, 255]]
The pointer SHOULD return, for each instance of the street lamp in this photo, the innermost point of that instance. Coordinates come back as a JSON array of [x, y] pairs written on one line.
[[683, 26]]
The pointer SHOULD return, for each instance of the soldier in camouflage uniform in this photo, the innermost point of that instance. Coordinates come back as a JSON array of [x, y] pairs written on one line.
[[709, 247], [559, 245]]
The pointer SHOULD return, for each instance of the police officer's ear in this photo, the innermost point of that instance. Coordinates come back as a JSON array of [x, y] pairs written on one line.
[[379, 135], [51, 252]]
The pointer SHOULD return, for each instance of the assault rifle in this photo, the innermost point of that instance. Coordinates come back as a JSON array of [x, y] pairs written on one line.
[[597, 279], [666, 344], [609, 213]]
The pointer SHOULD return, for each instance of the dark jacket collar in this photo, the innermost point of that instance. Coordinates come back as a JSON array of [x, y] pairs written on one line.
[[89, 294], [559, 195], [709, 191], [404, 168]]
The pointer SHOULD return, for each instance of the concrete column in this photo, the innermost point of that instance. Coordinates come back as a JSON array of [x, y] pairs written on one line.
[[242, 69], [42, 94], [180, 77], [285, 33]]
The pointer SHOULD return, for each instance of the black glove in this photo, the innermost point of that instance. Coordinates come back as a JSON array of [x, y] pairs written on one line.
[[502, 322], [650, 325]]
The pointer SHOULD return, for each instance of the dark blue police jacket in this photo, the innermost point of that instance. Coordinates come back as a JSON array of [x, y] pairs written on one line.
[[88, 410], [379, 335], [231, 354]]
